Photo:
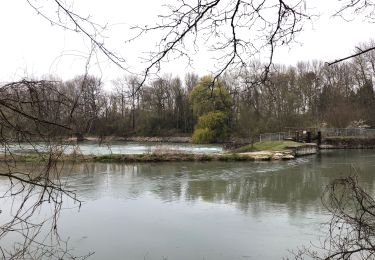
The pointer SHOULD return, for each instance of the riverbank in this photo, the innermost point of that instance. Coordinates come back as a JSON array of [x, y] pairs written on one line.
[[153, 157]]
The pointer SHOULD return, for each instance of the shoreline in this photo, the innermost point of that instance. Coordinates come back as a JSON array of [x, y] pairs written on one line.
[[153, 157]]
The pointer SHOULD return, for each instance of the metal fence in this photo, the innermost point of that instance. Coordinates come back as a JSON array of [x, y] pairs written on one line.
[[275, 136], [326, 132], [348, 132]]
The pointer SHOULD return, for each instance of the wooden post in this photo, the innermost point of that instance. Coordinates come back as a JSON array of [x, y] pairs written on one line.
[[79, 137], [319, 138]]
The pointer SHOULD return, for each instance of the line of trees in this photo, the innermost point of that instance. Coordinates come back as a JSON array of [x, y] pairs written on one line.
[[308, 94]]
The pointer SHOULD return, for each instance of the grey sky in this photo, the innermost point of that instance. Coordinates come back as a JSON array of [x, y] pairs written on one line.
[[30, 46]]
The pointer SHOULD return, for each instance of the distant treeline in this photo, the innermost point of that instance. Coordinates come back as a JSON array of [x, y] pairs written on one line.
[[308, 94]]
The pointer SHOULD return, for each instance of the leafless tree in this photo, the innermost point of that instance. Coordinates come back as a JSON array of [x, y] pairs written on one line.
[[351, 229], [238, 31], [29, 112]]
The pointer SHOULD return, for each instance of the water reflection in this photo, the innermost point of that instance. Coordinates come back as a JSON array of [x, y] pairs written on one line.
[[250, 187], [204, 210]]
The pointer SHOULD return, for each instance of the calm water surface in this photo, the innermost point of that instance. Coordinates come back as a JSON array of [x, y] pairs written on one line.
[[211, 210]]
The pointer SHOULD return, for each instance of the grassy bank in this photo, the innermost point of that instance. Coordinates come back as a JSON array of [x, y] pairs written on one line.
[[268, 146], [137, 158], [119, 158], [170, 157]]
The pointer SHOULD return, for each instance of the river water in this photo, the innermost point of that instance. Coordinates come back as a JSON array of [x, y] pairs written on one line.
[[205, 210], [94, 148]]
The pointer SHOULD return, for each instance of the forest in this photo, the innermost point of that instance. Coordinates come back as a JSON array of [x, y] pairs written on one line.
[[238, 104]]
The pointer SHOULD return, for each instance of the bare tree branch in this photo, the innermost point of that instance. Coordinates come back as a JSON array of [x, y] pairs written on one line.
[[238, 31], [359, 53], [85, 25]]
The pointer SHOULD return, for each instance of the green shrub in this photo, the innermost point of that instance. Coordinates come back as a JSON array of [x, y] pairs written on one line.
[[215, 121], [211, 127], [203, 136]]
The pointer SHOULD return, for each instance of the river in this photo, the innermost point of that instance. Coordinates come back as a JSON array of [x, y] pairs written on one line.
[[94, 148], [205, 210]]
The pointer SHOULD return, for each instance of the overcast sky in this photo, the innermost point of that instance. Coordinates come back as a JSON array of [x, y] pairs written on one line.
[[30, 46]]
